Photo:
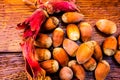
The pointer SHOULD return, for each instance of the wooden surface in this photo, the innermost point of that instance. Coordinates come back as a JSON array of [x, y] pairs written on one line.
[[14, 11]]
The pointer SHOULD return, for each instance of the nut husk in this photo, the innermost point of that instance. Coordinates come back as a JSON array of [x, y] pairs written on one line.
[[43, 41], [78, 70], [57, 37], [117, 56], [72, 17], [106, 26], [102, 70], [31, 3], [73, 32], [50, 66], [68, 48], [86, 31], [85, 51], [110, 46], [90, 65], [42, 54], [61, 56]]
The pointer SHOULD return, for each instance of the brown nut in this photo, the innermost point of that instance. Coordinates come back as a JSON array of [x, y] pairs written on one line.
[[117, 56], [85, 51], [110, 46], [51, 23], [50, 66], [102, 70], [66, 73], [72, 17], [98, 52], [119, 42], [78, 70], [42, 54], [61, 56], [57, 36], [90, 65], [43, 41], [106, 26], [86, 31], [68, 48], [73, 32]]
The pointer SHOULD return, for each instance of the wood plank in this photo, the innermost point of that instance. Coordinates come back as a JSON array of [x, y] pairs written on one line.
[[9, 35], [12, 68], [12, 12]]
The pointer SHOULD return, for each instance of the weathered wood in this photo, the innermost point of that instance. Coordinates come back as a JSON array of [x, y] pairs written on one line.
[[12, 68], [14, 11]]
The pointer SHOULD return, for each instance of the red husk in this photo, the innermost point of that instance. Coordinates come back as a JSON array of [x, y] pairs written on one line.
[[32, 66], [31, 28], [64, 6], [55, 6], [32, 24]]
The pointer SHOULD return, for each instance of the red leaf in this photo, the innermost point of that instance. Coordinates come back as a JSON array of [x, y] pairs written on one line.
[[64, 6], [32, 66], [58, 6], [32, 24], [31, 28]]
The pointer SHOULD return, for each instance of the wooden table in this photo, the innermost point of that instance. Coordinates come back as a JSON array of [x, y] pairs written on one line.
[[14, 11]]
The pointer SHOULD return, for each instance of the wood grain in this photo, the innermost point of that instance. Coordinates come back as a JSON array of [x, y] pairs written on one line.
[[12, 68], [13, 12]]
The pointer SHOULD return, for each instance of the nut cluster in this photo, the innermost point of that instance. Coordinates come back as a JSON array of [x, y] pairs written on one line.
[[68, 48]]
